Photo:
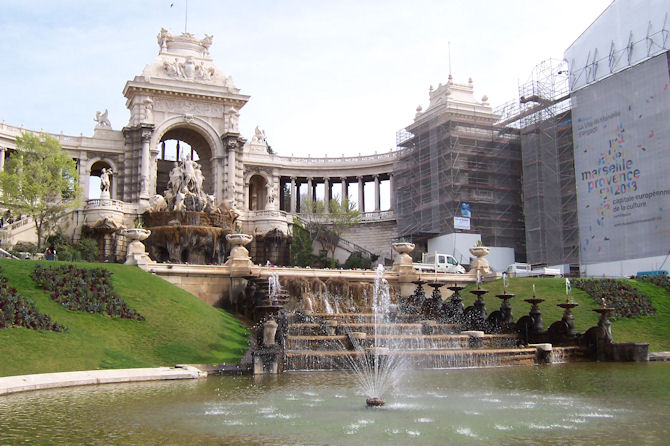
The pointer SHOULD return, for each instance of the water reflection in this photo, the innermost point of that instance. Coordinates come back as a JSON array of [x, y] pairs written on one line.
[[564, 404]]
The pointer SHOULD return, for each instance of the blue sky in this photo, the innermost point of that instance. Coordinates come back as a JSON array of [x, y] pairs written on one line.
[[325, 77]]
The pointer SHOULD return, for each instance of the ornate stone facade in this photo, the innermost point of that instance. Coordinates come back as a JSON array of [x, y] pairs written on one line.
[[183, 95]]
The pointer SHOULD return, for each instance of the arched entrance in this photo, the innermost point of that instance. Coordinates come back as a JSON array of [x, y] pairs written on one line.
[[183, 143]]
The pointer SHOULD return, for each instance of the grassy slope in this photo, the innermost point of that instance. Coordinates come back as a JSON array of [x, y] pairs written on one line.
[[179, 328], [652, 329]]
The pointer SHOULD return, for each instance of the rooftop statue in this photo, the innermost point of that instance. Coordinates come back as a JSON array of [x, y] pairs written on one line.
[[102, 120]]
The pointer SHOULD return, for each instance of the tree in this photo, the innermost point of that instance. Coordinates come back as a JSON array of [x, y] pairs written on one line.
[[301, 245], [328, 228], [40, 180]]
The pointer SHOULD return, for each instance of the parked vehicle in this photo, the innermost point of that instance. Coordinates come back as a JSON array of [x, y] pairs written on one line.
[[526, 270], [440, 263]]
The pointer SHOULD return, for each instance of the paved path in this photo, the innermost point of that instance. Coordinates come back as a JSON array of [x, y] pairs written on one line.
[[25, 383]]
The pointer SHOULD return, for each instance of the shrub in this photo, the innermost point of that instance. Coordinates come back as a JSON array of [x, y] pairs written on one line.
[[358, 260], [80, 289], [88, 248], [626, 300], [25, 247]]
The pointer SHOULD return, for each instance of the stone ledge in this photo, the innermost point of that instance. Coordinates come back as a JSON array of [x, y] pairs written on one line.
[[659, 356], [27, 383]]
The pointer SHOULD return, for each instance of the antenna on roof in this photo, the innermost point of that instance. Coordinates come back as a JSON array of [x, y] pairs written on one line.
[[449, 46]]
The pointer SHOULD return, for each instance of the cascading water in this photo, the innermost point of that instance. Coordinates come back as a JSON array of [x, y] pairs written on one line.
[[326, 304], [274, 287], [379, 366]]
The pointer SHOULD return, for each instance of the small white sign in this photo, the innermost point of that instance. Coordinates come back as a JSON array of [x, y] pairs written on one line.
[[462, 223]]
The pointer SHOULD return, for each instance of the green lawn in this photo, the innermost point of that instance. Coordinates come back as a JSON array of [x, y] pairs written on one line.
[[652, 329], [179, 328]]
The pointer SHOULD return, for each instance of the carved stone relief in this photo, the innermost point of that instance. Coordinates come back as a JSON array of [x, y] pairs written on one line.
[[189, 69], [182, 106]]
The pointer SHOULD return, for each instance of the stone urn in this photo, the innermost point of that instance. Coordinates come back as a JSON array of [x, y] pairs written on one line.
[[480, 263], [403, 248], [404, 267], [237, 241], [136, 253], [136, 234], [239, 261]]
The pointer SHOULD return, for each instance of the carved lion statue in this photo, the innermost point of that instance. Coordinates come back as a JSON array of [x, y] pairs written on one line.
[[157, 204]]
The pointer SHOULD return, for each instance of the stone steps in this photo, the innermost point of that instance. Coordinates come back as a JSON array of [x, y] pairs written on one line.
[[425, 342]]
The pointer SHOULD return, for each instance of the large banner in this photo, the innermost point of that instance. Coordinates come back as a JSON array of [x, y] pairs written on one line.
[[621, 129]]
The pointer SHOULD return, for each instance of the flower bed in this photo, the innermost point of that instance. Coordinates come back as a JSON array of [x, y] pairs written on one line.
[[17, 311], [662, 281], [626, 300], [80, 289]]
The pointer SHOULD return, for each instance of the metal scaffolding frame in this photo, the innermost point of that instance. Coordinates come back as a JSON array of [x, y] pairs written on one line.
[[544, 118], [460, 156]]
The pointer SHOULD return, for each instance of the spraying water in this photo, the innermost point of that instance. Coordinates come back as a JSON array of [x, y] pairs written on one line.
[[379, 367]]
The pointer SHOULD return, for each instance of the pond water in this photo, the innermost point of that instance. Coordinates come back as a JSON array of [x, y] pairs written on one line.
[[569, 404]]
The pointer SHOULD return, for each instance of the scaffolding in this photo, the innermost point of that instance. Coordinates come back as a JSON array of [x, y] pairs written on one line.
[[457, 154], [544, 118]]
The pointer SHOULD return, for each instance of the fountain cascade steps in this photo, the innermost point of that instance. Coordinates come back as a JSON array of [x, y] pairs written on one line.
[[325, 343]]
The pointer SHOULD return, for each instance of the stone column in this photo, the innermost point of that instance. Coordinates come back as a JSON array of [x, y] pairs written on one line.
[[3, 150], [230, 187], [145, 173], [293, 197], [377, 195], [345, 192], [326, 194], [216, 171], [361, 195], [391, 193], [310, 189]]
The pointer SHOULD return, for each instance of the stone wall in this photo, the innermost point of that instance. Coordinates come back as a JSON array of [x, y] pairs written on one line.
[[376, 237]]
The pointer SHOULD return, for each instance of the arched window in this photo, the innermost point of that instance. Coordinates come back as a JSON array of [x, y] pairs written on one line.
[[257, 193]]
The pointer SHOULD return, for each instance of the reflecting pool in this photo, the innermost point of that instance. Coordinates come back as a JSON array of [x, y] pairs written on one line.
[[558, 404]]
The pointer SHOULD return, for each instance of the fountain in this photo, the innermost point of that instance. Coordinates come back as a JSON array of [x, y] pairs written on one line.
[[186, 224], [502, 321], [563, 332], [453, 310], [475, 316], [379, 366]]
